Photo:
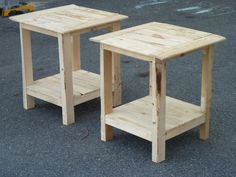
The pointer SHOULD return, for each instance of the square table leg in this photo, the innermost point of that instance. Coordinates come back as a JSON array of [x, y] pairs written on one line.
[[206, 90], [76, 52], [158, 110], [150, 78], [67, 97], [116, 80], [27, 68], [106, 92]]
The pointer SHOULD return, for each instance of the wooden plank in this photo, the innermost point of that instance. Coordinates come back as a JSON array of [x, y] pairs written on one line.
[[184, 49], [106, 92], [116, 80], [133, 117], [94, 11], [159, 33], [39, 92], [69, 11], [127, 52], [168, 31], [86, 86], [120, 32], [128, 126], [158, 110], [145, 49], [136, 117], [76, 52], [67, 99], [132, 45], [27, 67], [157, 40], [67, 19], [206, 90], [92, 29], [45, 94], [179, 30], [95, 23], [181, 128], [39, 30], [150, 78], [86, 97]]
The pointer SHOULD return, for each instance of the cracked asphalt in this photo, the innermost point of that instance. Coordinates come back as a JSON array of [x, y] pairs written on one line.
[[34, 143]]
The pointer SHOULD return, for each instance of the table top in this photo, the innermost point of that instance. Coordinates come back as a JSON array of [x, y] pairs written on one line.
[[68, 18], [158, 40]]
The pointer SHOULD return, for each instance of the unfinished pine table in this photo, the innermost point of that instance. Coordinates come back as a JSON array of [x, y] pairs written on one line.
[[156, 117], [72, 85]]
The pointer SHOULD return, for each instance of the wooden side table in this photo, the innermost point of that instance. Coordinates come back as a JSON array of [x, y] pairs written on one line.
[[73, 85], [156, 117]]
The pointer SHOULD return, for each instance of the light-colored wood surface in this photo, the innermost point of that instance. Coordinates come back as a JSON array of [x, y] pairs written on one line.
[[158, 110], [150, 78], [157, 40], [206, 90], [27, 71], [136, 117], [76, 62], [116, 80], [66, 84], [67, 18], [106, 92], [86, 86], [157, 117], [66, 23]]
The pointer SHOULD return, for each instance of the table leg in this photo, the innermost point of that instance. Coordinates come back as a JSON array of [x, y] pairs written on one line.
[[106, 92], [206, 90], [67, 97], [116, 80], [150, 78], [158, 115], [76, 52], [27, 67]]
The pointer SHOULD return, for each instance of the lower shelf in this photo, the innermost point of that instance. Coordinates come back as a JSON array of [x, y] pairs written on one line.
[[86, 86], [136, 117]]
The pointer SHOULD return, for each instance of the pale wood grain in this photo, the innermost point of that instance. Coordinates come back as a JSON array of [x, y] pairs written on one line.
[[86, 86], [136, 117], [116, 80], [76, 63], [158, 40], [27, 67], [206, 90], [67, 19], [66, 83], [158, 110], [106, 92]]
